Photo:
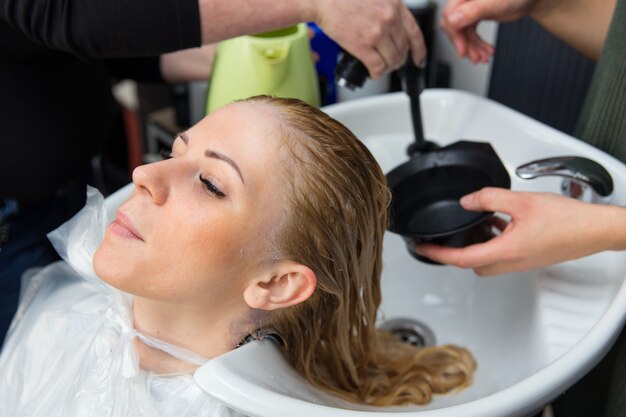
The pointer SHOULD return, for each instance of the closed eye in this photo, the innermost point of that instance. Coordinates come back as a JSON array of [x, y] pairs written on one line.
[[210, 187]]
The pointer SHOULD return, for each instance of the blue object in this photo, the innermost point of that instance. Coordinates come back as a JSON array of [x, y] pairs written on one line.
[[328, 52]]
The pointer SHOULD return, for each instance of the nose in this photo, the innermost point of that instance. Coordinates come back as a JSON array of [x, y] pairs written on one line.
[[151, 179]]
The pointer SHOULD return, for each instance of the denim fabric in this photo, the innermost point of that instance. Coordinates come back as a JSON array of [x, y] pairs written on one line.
[[25, 244]]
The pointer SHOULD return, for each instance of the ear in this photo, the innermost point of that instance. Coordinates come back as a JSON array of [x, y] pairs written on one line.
[[287, 283]]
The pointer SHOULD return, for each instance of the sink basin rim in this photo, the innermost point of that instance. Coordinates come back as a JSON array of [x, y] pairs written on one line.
[[523, 396]]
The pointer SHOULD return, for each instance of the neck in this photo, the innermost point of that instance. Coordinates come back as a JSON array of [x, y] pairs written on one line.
[[207, 331]]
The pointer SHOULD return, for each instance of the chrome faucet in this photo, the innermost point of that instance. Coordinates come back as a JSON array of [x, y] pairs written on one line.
[[584, 179]]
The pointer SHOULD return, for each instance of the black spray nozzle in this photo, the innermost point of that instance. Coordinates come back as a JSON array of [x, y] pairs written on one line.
[[350, 72], [413, 84]]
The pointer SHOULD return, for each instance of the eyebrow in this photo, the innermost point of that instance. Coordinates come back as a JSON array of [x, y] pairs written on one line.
[[214, 154]]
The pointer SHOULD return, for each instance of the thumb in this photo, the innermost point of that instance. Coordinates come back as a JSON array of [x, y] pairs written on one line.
[[470, 13], [491, 199]]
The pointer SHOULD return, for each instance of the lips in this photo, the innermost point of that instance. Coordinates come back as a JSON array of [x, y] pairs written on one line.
[[123, 226]]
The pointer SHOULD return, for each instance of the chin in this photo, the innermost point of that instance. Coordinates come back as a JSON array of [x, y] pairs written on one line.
[[102, 263], [110, 266], [99, 259]]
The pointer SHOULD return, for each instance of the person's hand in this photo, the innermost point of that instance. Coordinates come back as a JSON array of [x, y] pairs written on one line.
[[461, 17], [379, 33], [544, 229]]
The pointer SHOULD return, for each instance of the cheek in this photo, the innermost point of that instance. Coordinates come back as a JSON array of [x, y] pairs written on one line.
[[217, 260], [184, 261], [219, 252]]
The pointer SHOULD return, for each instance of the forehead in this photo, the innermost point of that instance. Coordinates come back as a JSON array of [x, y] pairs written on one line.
[[246, 115], [252, 124], [249, 133]]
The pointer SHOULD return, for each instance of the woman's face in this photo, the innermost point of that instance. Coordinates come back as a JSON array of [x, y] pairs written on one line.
[[196, 226]]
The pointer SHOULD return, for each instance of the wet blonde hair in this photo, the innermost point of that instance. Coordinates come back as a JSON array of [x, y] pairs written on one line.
[[336, 216]]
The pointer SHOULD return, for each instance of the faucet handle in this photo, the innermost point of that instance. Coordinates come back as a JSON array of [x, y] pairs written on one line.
[[584, 179]]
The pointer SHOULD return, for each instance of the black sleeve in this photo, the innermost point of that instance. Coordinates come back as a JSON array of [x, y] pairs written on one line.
[[140, 69], [107, 28]]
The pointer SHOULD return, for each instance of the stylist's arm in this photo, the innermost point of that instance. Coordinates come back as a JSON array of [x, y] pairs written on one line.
[[380, 33], [582, 24], [544, 229]]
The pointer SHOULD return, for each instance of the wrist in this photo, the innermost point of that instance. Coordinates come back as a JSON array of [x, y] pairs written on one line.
[[308, 11], [617, 224]]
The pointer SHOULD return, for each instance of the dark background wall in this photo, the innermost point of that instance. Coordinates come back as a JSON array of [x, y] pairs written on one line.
[[539, 75]]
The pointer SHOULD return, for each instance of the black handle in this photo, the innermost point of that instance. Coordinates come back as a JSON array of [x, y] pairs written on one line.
[[350, 72], [413, 85]]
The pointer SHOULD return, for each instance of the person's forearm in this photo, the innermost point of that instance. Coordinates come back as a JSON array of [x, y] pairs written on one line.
[[189, 64], [224, 19], [581, 23], [109, 28], [600, 228], [380, 33], [616, 229]]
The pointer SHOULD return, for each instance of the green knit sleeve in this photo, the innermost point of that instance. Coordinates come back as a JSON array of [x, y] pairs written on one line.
[[603, 119]]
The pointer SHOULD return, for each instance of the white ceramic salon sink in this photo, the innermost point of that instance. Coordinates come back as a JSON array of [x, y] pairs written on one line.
[[533, 334]]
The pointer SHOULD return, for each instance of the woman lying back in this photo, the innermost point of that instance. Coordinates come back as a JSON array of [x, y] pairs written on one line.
[[268, 218]]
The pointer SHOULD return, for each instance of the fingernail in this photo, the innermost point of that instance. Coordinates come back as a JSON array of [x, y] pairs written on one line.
[[456, 18], [467, 200]]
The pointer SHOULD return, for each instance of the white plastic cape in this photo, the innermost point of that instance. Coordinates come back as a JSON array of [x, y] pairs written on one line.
[[70, 351]]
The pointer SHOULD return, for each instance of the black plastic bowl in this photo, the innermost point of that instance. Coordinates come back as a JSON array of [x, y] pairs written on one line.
[[426, 191]]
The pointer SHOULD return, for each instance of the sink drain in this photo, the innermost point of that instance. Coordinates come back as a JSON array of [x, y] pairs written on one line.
[[410, 331]]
